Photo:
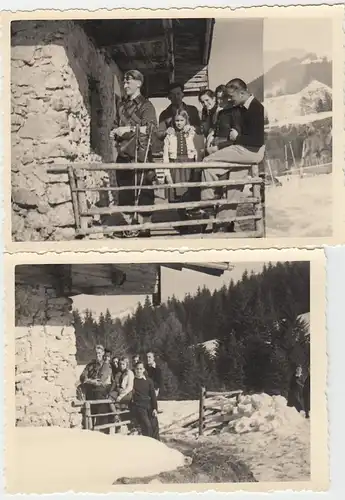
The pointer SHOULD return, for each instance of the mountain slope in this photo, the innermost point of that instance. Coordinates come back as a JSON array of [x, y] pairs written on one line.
[[292, 75]]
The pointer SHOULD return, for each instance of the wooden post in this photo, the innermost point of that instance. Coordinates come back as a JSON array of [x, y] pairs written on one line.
[[88, 418], [73, 186], [270, 171], [82, 203], [286, 158], [202, 410], [259, 223]]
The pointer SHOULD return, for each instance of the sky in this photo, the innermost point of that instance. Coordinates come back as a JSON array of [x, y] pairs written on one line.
[[178, 283], [246, 48]]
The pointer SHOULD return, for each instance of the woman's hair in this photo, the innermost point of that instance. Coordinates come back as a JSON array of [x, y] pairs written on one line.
[[220, 88], [124, 359], [208, 92], [182, 113]]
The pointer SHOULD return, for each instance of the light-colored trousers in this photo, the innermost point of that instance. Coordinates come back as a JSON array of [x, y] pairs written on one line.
[[231, 154]]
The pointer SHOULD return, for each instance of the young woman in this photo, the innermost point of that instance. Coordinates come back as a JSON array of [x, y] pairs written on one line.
[[208, 101], [121, 389]]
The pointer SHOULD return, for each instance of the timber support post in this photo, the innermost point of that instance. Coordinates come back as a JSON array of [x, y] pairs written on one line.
[[202, 410], [88, 418]]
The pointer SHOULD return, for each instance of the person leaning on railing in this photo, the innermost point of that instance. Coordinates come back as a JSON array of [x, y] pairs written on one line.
[[246, 146], [95, 380], [120, 391], [134, 126]]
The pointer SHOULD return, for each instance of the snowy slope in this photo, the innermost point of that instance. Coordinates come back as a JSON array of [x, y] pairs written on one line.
[[286, 108]]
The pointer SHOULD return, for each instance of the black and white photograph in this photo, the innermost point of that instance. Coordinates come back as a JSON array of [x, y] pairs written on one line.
[[174, 128], [169, 373]]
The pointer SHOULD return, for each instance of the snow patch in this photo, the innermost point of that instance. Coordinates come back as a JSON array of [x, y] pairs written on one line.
[[288, 107], [53, 459], [210, 346]]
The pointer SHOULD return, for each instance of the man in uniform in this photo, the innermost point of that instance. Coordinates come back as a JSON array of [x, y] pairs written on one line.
[[134, 126]]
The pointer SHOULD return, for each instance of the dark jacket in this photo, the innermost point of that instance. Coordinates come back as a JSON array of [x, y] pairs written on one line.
[[227, 119], [208, 120], [306, 394], [166, 119], [252, 135], [295, 398], [137, 112], [155, 374]]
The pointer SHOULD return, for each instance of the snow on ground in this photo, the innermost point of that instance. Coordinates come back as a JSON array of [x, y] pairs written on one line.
[[280, 455], [174, 411], [302, 207], [52, 459], [271, 438]]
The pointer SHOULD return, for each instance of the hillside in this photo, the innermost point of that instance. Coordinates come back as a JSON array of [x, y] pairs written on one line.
[[293, 75]]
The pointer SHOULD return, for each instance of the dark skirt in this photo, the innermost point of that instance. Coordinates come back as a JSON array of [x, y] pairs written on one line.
[[184, 175]]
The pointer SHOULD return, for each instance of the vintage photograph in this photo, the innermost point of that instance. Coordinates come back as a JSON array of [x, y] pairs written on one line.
[[208, 127], [204, 368]]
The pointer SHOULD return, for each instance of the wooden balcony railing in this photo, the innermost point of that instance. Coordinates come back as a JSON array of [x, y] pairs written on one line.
[[84, 215]]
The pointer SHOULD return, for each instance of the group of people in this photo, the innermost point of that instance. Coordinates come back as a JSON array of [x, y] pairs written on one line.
[[230, 130], [138, 387]]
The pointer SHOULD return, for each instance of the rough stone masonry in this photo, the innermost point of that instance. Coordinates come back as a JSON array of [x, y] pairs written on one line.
[[52, 64], [45, 364]]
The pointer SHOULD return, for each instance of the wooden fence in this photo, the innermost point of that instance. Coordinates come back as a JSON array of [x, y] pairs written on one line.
[[90, 418], [84, 215], [207, 411]]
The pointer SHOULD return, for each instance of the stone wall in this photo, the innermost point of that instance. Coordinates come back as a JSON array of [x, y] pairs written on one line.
[[45, 368], [53, 66]]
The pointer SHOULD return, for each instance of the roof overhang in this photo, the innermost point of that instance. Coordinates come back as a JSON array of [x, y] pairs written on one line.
[[106, 279], [164, 50]]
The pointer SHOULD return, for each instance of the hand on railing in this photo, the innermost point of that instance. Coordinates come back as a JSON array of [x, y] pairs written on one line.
[[120, 131]]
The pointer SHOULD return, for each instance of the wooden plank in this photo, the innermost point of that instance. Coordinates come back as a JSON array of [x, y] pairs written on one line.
[[201, 410], [149, 39], [82, 203], [108, 426], [88, 419], [75, 204], [222, 183], [169, 41], [145, 166], [259, 223], [172, 225], [225, 394], [208, 40], [166, 206]]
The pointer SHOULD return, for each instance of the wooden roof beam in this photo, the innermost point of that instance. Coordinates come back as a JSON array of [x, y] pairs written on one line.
[[208, 41], [149, 39], [169, 40]]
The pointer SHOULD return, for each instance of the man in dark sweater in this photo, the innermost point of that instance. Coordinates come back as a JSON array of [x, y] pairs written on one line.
[[144, 403], [154, 372], [175, 96], [244, 146]]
